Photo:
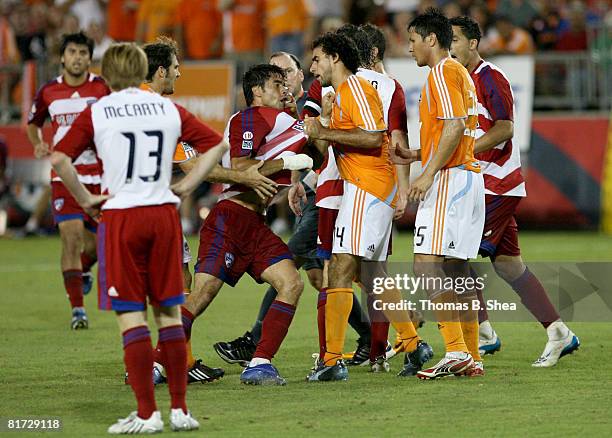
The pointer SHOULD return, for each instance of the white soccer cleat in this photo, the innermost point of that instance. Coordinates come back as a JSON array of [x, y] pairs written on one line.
[[179, 421], [555, 349], [380, 365], [133, 424], [453, 363], [488, 341]]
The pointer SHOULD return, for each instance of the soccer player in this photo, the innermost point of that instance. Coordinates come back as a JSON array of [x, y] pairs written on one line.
[[504, 189], [163, 71], [135, 133], [63, 99], [357, 132], [303, 243], [234, 239], [450, 191]]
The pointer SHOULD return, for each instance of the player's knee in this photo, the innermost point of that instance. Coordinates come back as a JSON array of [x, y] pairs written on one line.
[[291, 289], [509, 270]]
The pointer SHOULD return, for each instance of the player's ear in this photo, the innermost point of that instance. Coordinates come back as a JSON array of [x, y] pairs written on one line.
[[162, 72], [473, 44]]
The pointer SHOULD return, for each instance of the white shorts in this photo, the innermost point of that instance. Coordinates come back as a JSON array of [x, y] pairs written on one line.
[[363, 226], [450, 219], [186, 251]]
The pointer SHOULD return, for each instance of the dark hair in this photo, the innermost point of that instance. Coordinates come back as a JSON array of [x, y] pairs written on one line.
[[376, 37], [361, 40], [257, 76], [433, 21], [159, 54], [77, 38], [468, 26], [297, 62], [337, 44]]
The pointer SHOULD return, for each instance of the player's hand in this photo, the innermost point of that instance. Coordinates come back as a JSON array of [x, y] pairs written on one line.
[[264, 187], [93, 203], [42, 149], [401, 155], [402, 202], [291, 105], [297, 195], [313, 128], [419, 187], [327, 103]]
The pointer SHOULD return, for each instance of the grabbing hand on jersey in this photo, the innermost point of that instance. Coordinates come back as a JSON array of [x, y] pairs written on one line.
[[327, 102], [313, 128], [402, 155], [419, 187], [296, 196], [42, 149], [264, 187]]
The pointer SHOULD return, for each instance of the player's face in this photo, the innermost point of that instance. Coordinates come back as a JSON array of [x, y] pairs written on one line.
[[172, 74], [321, 67], [274, 93], [295, 77], [418, 48], [460, 47], [76, 59]]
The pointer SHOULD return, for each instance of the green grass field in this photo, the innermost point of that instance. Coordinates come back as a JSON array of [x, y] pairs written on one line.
[[48, 370]]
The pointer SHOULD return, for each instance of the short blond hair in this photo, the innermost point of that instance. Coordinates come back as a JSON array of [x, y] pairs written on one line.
[[124, 65]]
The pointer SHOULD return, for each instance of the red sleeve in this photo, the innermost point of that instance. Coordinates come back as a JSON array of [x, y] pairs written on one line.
[[40, 110], [312, 107], [79, 137], [398, 118], [198, 135], [247, 132]]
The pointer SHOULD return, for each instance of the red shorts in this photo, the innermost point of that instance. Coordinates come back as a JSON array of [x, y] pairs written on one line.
[[66, 208], [139, 256], [500, 233], [235, 240], [325, 241]]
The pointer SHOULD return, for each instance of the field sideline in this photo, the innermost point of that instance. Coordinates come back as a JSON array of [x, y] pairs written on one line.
[[47, 370]]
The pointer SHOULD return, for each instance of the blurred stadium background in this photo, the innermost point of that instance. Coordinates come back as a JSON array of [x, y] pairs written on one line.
[[557, 53]]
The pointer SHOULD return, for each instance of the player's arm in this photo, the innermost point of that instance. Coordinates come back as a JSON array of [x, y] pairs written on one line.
[[36, 120], [41, 147], [270, 167], [499, 133], [201, 168], [355, 137]]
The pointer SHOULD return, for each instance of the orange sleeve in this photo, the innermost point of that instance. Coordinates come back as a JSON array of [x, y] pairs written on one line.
[[448, 93], [363, 105], [183, 152]]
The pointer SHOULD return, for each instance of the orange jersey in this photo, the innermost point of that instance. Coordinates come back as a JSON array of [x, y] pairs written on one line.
[[121, 20], [158, 15], [243, 27], [449, 93], [183, 152], [358, 105], [285, 16], [201, 21]]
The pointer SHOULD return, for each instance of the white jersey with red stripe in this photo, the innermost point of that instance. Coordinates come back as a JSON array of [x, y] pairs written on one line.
[[134, 134], [262, 133], [330, 186], [500, 165], [63, 104]]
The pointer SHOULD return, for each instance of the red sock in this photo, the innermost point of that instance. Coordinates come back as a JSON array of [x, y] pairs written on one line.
[[138, 357], [174, 351], [187, 318], [534, 297], [158, 356], [483, 315], [379, 329], [73, 282], [274, 329], [321, 320], [87, 261]]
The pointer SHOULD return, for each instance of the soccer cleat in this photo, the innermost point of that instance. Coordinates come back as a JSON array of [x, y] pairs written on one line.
[[361, 356], [203, 374], [180, 421], [453, 363], [87, 282], [475, 370], [239, 351], [133, 424], [414, 361], [323, 373], [79, 319], [396, 348], [158, 374], [380, 365], [263, 374], [489, 345], [555, 350]]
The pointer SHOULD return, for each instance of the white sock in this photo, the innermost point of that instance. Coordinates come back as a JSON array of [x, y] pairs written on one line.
[[557, 331], [485, 330], [258, 361]]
